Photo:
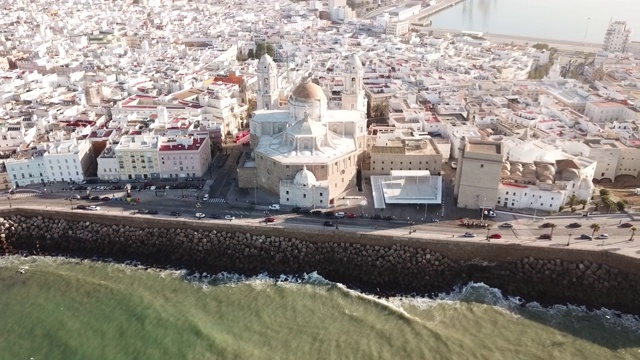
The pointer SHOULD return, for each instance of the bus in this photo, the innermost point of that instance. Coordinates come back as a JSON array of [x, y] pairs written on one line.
[[242, 137]]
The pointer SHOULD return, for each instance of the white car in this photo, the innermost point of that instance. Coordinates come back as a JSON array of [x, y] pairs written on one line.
[[200, 215], [469, 235], [506, 225], [339, 215], [93, 207], [603, 236], [274, 207], [206, 197], [229, 217]]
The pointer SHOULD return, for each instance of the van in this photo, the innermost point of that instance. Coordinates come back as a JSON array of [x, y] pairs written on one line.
[[339, 215], [274, 207]]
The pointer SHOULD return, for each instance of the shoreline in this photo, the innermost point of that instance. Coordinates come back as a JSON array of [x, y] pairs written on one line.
[[567, 45], [376, 264]]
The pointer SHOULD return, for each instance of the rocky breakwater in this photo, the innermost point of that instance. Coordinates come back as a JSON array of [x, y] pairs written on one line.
[[386, 269]]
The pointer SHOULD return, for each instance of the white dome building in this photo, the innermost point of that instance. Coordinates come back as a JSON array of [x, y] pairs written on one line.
[[307, 154]]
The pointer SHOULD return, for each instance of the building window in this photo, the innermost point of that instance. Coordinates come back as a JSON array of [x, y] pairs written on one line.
[[287, 192], [481, 165], [320, 194], [304, 196]]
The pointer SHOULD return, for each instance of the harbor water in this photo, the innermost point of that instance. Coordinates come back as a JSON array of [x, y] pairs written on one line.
[[571, 20]]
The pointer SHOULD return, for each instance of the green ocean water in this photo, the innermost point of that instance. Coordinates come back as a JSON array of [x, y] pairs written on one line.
[[53, 308]]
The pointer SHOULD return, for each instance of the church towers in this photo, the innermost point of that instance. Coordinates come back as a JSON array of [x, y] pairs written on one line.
[[268, 92], [353, 97]]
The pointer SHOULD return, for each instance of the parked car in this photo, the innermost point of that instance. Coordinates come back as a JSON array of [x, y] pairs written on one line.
[[95, 198], [469, 235], [328, 223], [81, 207], [434, 220], [545, 236], [229, 217], [506, 225], [93, 208], [603, 236], [105, 198], [153, 212], [626, 225], [305, 211], [546, 225], [200, 215], [340, 215], [388, 218], [274, 207], [575, 225], [316, 212], [205, 197], [585, 237], [85, 197], [376, 217], [216, 216], [296, 210], [75, 197], [351, 216], [269, 220], [329, 214], [175, 213], [495, 236], [142, 211]]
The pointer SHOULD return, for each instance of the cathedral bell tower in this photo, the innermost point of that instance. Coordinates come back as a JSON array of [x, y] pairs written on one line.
[[353, 94], [268, 92]]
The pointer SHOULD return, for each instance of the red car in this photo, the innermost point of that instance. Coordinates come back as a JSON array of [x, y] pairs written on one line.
[[351, 216], [495, 236], [270, 220]]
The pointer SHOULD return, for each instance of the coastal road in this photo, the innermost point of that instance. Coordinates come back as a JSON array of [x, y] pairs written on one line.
[[526, 229]]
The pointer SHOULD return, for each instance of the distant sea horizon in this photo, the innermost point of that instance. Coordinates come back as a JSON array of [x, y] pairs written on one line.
[[569, 20]]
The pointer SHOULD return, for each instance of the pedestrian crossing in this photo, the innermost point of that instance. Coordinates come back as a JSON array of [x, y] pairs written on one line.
[[22, 195], [237, 212], [216, 200]]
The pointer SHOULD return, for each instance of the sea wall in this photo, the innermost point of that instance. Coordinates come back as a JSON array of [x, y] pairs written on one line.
[[370, 262]]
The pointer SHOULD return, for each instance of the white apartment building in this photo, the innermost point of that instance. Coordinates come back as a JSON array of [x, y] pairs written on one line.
[[27, 168], [137, 157], [11, 136], [604, 112], [108, 164], [69, 160], [617, 37]]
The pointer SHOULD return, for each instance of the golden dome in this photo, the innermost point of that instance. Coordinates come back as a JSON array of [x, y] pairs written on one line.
[[308, 91]]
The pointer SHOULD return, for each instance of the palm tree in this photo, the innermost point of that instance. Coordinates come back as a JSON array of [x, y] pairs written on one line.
[[620, 206], [572, 200], [552, 226], [595, 227], [633, 232], [583, 202]]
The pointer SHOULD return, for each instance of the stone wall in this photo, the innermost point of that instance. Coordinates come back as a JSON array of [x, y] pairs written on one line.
[[377, 264]]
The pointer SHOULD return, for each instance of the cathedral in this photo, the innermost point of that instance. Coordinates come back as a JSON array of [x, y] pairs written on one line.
[[304, 151]]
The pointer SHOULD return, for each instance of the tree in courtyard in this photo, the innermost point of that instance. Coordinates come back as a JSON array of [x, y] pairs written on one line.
[[540, 46], [633, 232], [620, 206], [572, 200], [251, 54], [605, 192], [595, 227]]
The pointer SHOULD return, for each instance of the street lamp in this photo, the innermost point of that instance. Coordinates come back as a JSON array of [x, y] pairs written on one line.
[[9, 198], [71, 202], [255, 193], [482, 210], [410, 223], [569, 239], [585, 35]]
